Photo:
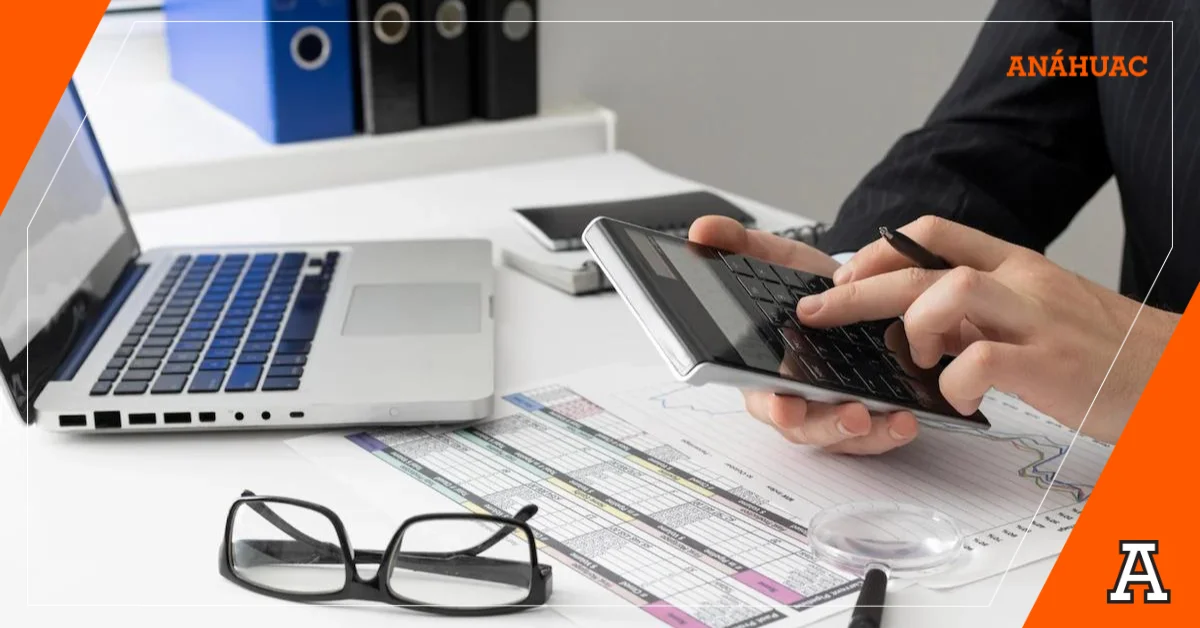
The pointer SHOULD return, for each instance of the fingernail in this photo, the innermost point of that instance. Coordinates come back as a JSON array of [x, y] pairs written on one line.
[[810, 304], [843, 274], [896, 435], [843, 429]]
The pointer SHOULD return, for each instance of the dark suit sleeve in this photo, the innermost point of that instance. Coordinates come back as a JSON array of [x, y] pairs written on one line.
[[1015, 157]]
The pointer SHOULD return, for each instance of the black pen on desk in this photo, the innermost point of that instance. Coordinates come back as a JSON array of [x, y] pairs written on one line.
[[908, 247]]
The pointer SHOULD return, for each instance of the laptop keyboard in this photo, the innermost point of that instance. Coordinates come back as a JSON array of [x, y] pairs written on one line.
[[236, 322], [853, 357]]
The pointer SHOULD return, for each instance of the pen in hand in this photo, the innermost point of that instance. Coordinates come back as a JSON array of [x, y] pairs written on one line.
[[918, 254]]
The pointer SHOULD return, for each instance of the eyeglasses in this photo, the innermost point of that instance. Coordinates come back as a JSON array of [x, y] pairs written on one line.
[[451, 564]]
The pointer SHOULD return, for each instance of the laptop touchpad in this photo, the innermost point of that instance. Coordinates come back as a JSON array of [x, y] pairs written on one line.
[[412, 309]]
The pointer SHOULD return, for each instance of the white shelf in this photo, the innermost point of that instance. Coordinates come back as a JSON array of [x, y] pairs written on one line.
[[168, 147]]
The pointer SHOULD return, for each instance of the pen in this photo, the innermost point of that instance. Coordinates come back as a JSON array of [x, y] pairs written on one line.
[[907, 247]]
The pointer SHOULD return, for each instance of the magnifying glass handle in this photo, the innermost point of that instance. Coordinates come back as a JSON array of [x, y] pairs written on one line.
[[868, 610]]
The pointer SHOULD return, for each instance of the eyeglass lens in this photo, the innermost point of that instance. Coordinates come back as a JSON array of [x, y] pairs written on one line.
[[463, 563], [301, 556]]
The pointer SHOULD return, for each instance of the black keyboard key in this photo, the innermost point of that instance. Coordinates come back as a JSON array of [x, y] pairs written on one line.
[[169, 384], [317, 284], [127, 387], [145, 363], [899, 388], [186, 294], [782, 295], [281, 383], [155, 302], [243, 378], [138, 375], [170, 321], [753, 286], [252, 358], [796, 280], [176, 311], [138, 330], [207, 381], [177, 368], [818, 372], [123, 352], [289, 347], [774, 313], [190, 345], [158, 341], [220, 353], [101, 388], [131, 340], [847, 376], [822, 347], [152, 353], [187, 357], [116, 363], [762, 270], [145, 319], [290, 360], [214, 365], [168, 331], [110, 374], [285, 371], [738, 264]]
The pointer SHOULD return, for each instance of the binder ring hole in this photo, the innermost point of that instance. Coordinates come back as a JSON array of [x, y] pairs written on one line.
[[311, 48], [392, 23], [451, 18], [518, 20]]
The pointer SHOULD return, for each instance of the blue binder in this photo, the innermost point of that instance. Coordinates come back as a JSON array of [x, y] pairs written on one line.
[[283, 67]]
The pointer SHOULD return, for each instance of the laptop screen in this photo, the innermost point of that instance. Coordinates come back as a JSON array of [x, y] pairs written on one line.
[[64, 242]]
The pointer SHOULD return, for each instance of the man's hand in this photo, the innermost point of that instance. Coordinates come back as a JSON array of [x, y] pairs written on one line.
[[845, 428], [1013, 320]]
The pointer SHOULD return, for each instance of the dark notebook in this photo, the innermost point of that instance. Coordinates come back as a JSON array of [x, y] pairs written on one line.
[[561, 228]]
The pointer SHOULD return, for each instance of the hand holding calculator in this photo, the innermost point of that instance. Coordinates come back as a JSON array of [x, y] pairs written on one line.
[[720, 317]]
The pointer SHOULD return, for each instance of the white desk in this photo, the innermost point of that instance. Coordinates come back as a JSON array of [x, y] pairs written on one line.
[[126, 528]]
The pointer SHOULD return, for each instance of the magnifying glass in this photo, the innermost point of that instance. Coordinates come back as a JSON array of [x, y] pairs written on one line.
[[881, 540]]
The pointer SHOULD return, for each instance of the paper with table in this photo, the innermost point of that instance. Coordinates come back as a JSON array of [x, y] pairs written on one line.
[[674, 501]]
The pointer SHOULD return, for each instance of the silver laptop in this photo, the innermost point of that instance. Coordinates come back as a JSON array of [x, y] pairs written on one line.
[[97, 335]]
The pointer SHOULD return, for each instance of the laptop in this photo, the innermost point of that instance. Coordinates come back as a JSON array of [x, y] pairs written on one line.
[[99, 336]]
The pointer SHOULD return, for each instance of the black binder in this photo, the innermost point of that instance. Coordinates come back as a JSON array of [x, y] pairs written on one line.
[[389, 60], [506, 61], [445, 61]]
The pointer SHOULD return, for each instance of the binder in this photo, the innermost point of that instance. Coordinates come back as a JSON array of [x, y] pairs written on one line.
[[445, 62], [389, 65], [506, 61], [282, 67]]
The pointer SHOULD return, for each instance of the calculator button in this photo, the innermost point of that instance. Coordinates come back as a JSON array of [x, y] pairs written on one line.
[[774, 313], [782, 295], [762, 270], [756, 289], [817, 371], [738, 264]]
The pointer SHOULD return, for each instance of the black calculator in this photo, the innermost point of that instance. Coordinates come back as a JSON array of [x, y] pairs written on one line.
[[719, 317]]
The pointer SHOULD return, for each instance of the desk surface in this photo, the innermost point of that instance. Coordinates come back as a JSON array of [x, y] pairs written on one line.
[[126, 528]]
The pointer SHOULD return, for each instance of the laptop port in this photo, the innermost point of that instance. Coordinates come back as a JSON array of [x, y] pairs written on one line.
[[177, 417], [108, 420], [297, 415], [72, 420], [208, 417], [146, 418]]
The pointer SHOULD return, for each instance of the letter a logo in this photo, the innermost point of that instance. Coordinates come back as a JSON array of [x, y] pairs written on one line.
[[1139, 553]]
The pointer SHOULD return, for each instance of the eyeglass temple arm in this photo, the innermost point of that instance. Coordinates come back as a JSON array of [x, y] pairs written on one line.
[[375, 556]]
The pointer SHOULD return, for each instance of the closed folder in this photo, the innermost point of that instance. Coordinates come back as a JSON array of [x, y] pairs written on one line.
[[445, 61], [506, 62], [282, 67], [389, 65]]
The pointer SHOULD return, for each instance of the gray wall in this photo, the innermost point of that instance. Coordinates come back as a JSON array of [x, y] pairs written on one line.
[[788, 113]]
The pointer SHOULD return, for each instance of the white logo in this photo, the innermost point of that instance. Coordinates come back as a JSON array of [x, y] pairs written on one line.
[[1139, 552]]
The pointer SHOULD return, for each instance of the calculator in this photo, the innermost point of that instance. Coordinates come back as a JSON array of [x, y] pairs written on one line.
[[721, 318]]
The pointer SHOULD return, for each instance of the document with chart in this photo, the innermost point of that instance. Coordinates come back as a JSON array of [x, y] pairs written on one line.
[[677, 503]]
